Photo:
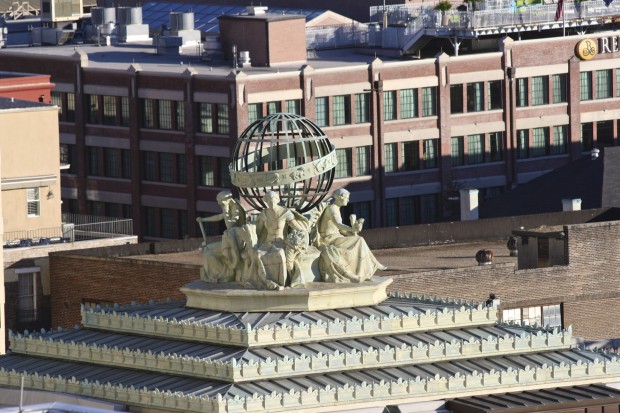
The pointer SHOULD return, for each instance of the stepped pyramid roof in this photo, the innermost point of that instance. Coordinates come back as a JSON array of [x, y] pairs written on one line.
[[171, 357]]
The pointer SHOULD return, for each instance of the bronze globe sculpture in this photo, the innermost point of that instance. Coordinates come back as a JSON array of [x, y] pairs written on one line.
[[287, 154]]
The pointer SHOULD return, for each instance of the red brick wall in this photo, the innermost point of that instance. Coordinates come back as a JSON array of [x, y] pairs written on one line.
[[74, 278]]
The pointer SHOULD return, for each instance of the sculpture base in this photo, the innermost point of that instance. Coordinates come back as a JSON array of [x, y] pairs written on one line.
[[311, 297]]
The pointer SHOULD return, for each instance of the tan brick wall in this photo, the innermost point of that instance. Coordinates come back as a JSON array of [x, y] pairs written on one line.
[[122, 281], [594, 319], [588, 288]]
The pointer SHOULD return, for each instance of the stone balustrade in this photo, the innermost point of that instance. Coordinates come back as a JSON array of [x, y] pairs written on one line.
[[601, 369], [235, 371]]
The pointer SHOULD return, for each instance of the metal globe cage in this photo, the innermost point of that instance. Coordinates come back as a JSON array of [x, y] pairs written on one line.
[[287, 154]]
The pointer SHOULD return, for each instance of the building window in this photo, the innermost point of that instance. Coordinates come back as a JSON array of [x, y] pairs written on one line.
[[559, 88], [585, 83], [389, 105], [411, 155], [603, 84], [522, 92], [166, 167], [391, 158], [560, 139], [540, 142], [475, 97], [206, 118], [222, 119], [109, 110], [255, 112], [456, 99], [587, 136], [322, 111], [33, 202], [429, 154], [150, 173], [148, 120], [408, 217], [408, 103], [165, 222], [27, 296], [429, 101], [342, 110], [293, 106], [126, 163], [180, 120], [523, 143], [168, 223], [165, 114], [540, 90], [495, 95], [605, 133], [552, 315], [124, 111], [343, 168], [111, 163], [223, 169], [362, 105], [274, 107], [495, 146], [207, 172], [391, 212], [457, 151], [214, 118], [475, 150], [70, 114], [544, 315], [362, 160], [93, 160], [428, 208], [213, 171], [93, 109]]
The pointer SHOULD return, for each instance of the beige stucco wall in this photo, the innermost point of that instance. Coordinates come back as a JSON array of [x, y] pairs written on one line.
[[29, 156]]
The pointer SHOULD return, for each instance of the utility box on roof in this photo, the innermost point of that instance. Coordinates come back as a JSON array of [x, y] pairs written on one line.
[[271, 39]]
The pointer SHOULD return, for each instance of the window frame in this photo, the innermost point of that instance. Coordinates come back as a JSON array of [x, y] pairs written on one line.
[[33, 202], [408, 103]]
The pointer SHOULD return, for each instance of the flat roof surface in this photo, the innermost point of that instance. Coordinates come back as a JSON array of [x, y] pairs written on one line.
[[10, 103], [398, 260], [121, 57]]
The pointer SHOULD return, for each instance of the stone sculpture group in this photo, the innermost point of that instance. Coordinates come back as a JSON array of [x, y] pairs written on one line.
[[280, 247]]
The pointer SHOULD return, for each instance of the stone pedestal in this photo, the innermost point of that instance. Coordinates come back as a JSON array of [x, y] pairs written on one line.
[[311, 297]]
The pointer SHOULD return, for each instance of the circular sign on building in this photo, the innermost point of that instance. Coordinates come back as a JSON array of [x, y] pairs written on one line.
[[586, 49]]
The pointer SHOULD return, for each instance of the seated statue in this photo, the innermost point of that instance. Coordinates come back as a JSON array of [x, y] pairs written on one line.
[[345, 256], [272, 224], [221, 260], [284, 248]]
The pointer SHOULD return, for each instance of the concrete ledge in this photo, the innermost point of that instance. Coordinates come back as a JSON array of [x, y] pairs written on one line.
[[312, 297]]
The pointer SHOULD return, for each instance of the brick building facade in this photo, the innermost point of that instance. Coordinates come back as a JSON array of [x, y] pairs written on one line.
[[585, 288], [150, 137]]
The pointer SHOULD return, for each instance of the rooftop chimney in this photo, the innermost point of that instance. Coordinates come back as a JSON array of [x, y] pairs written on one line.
[[571, 204], [469, 204]]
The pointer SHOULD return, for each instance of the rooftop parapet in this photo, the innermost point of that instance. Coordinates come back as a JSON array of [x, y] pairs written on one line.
[[230, 364], [395, 315]]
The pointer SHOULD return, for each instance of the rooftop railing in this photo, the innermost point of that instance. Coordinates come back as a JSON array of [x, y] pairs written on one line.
[[406, 21], [75, 227]]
